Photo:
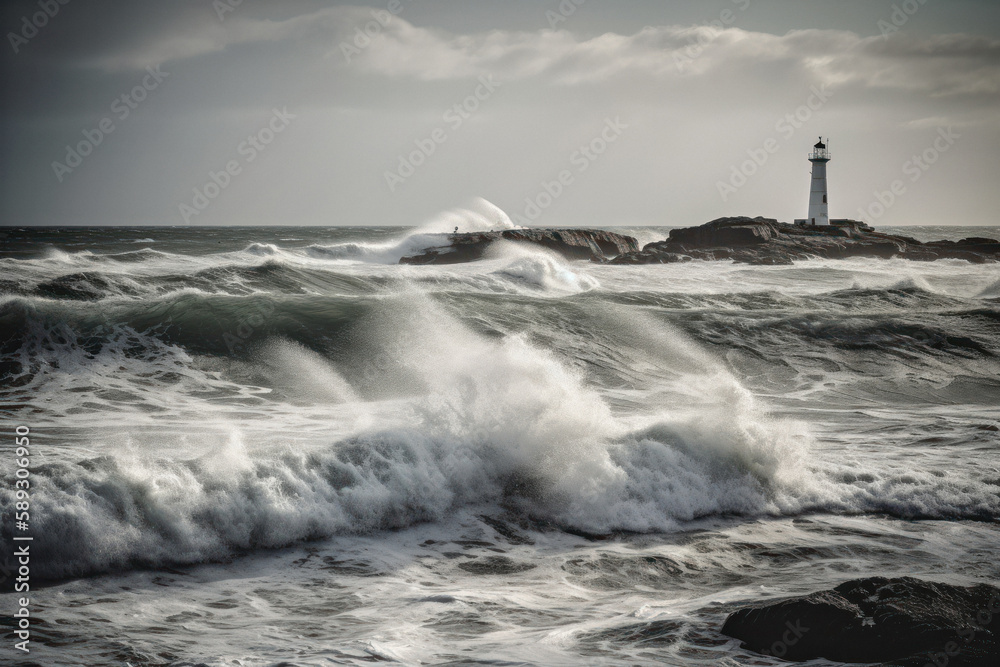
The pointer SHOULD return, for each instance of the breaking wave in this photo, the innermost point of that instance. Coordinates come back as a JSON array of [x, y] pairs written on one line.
[[446, 418]]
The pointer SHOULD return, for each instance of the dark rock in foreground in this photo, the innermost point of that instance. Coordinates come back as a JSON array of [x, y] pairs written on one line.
[[903, 622], [593, 244], [764, 241]]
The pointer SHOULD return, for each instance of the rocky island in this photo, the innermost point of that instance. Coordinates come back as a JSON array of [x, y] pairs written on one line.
[[592, 244], [767, 241], [760, 241]]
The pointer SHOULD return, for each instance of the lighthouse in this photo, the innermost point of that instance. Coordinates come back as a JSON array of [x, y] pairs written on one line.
[[819, 211]]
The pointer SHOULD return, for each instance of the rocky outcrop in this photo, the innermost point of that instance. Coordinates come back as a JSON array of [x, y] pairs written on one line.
[[902, 622], [592, 244], [727, 233], [766, 241]]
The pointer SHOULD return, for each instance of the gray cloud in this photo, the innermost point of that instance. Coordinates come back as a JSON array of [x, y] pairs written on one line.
[[696, 98]]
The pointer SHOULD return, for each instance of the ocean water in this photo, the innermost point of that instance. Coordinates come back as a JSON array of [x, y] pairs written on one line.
[[263, 446]]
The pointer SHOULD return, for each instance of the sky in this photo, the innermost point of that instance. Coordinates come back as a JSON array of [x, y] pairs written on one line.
[[560, 112]]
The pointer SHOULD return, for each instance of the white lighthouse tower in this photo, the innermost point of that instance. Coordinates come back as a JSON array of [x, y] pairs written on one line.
[[819, 211]]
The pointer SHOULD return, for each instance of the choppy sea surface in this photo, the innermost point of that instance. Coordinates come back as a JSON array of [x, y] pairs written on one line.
[[262, 446]]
